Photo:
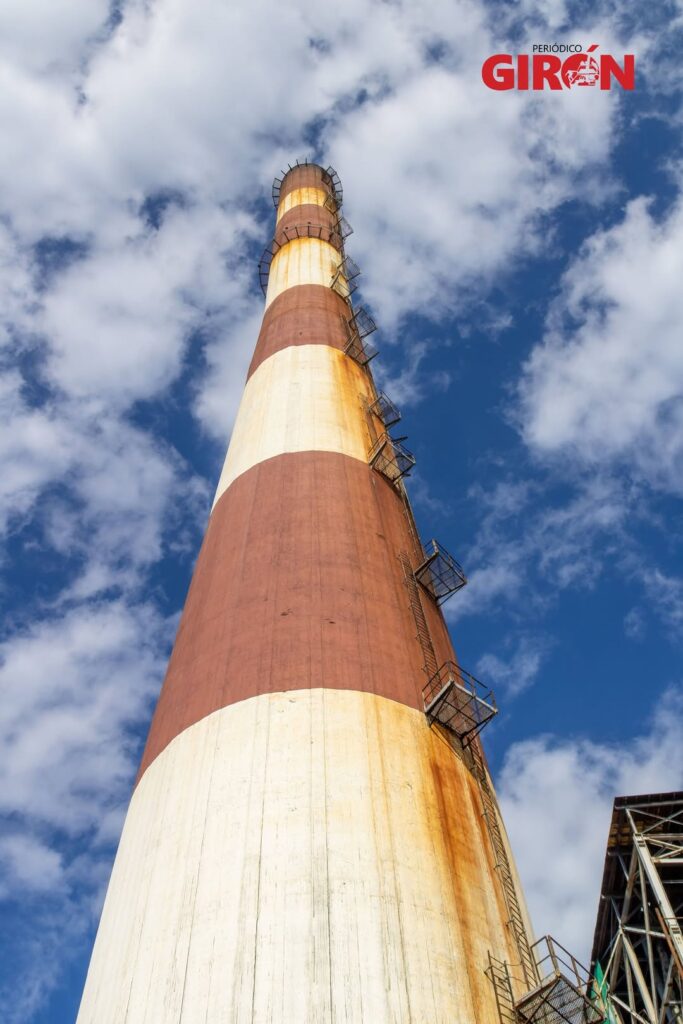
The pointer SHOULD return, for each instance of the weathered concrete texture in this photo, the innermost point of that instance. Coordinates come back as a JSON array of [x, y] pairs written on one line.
[[301, 197], [315, 856], [306, 176], [314, 219], [297, 585], [302, 261], [304, 315], [304, 398]]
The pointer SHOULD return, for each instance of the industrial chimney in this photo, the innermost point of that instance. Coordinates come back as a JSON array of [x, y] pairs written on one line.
[[313, 835]]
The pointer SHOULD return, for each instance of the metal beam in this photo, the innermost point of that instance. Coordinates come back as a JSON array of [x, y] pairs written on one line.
[[634, 965], [669, 920]]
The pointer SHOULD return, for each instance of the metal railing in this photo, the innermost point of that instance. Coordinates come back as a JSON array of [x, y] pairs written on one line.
[[329, 176], [563, 995], [457, 700], [390, 458], [385, 409], [344, 280], [440, 574], [357, 328], [362, 323], [332, 179], [343, 226], [288, 234]]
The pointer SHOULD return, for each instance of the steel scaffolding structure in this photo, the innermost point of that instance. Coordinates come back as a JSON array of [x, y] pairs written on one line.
[[637, 960]]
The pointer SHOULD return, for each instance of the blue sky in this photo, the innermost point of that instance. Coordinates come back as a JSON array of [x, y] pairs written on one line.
[[523, 254]]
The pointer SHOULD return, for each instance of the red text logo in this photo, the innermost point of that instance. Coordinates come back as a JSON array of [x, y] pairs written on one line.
[[544, 69]]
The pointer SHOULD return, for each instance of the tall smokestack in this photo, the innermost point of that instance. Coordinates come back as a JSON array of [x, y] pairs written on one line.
[[305, 843]]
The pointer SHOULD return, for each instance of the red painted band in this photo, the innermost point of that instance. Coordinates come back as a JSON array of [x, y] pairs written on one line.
[[298, 585], [305, 176], [323, 224], [306, 314]]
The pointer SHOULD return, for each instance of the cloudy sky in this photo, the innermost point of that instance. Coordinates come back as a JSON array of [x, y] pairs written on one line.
[[523, 254]]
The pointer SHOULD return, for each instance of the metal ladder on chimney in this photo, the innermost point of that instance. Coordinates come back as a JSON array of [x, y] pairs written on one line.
[[499, 973], [412, 525], [423, 635], [504, 869]]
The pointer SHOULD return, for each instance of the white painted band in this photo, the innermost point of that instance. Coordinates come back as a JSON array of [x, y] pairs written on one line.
[[308, 196], [310, 856], [302, 398], [302, 261]]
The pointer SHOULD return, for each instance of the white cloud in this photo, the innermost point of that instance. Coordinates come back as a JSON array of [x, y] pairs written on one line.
[[16, 291], [665, 593], [446, 184], [116, 483], [410, 385], [517, 671], [556, 795], [49, 39], [118, 319], [469, 179], [228, 359], [422, 496], [27, 864], [495, 583], [606, 383], [527, 545], [144, 111], [72, 688], [634, 623], [39, 935], [35, 447], [551, 14]]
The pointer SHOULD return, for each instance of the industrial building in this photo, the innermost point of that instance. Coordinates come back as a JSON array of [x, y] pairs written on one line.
[[637, 959]]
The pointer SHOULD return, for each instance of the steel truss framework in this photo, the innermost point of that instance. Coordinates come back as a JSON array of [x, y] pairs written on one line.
[[638, 945]]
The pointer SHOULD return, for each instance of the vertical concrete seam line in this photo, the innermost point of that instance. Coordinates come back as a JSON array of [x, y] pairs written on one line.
[[209, 789], [323, 701], [239, 962], [363, 625], [375, 715], [167, 790], [260, 870]]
